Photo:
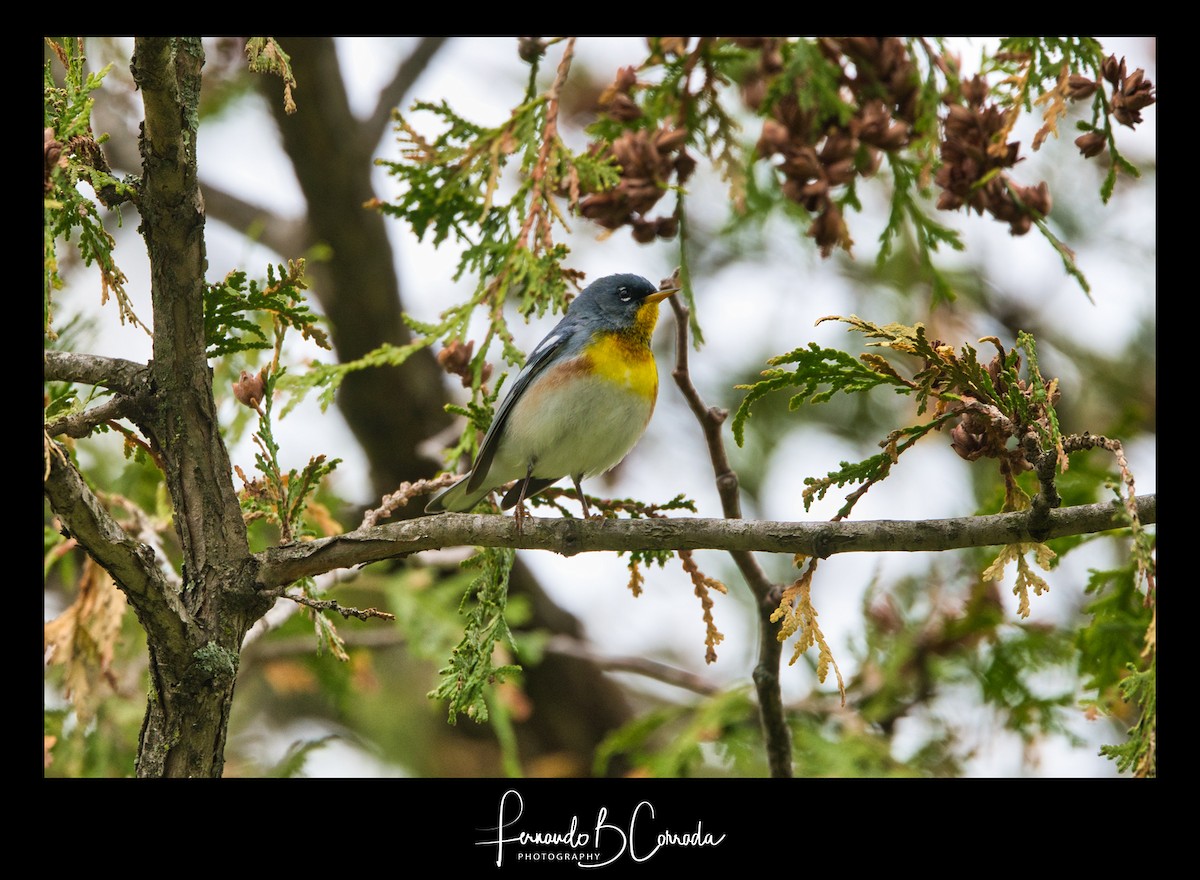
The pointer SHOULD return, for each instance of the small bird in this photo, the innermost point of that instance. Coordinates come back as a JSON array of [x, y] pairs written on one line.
[[580, 404]]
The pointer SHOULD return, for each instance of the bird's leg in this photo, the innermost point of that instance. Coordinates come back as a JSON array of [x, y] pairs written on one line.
[[520, 512], [587, 513]]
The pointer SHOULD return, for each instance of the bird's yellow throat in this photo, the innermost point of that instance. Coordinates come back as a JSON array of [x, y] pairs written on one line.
[[623, 357]]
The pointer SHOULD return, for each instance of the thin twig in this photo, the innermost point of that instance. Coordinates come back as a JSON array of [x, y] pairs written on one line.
[[1045, 465], [334, 605], [405, 493], [134, 440], [770, 650], [643, 666], [540, 195]]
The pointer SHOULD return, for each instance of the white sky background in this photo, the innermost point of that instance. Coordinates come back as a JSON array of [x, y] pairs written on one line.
[[750, 311]]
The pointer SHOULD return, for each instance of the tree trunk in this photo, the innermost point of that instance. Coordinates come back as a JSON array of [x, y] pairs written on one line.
[[192, 682]]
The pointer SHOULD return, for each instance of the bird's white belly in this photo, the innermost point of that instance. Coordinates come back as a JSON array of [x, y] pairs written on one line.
[[582, 429]]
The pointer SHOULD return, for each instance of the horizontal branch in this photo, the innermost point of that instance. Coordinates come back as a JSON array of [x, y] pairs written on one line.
[[281, 565], [116, 374], [81, 424]]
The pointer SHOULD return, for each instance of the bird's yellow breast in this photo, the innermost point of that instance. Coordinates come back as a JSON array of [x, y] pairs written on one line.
[[624, 358]]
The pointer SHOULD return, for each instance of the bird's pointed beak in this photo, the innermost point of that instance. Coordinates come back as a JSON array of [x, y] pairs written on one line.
[[660, 295]]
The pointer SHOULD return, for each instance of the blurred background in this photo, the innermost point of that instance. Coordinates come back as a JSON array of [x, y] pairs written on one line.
[[598, 659]]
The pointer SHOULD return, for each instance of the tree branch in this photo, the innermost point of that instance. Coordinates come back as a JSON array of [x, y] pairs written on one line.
[[282, 565], [81, 424], [131, 563], [642, 666], [770, 649], [116, 374]]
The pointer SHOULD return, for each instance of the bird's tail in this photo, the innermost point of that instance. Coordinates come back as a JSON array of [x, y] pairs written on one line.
[[460, 499], [525, 489], [457, 498]]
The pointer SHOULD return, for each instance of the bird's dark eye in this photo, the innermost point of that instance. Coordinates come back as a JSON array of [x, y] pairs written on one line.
[[624, 293]]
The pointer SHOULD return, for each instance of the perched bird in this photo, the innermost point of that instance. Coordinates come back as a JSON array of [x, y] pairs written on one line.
[[580, 404]]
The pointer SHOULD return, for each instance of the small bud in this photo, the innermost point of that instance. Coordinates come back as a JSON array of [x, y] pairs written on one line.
[[644, 231], [530, 49], [455, 358], [961, 121], [1036, 198], [1125, 116], [607, 209], [1081, 87], [622, 108], [838, 145], [1114, 72], [813, 193], [773, 139], [802, 163], [684, 166], [792, 189], [1135, 93], [967, 444], [975, 90], [1019, 224], [1091, 144], [894, 138], [829, 230], [54, 157], [841, 171], [666, 227], [626, 79], [669, 139], [754, 92], [250, 387], [1134, 82], [871, 122], [630, 150], [949, 201], [622, 85], [641, 193]]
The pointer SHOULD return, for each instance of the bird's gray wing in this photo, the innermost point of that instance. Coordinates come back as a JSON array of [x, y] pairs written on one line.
[[539, 359]]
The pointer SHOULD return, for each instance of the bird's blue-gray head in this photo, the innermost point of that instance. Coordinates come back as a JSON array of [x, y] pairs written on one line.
[[614, 300]]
